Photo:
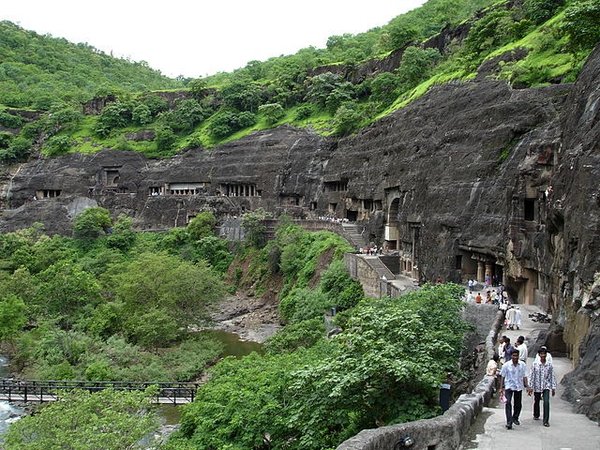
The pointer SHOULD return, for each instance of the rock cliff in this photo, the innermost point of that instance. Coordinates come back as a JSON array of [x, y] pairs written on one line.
[[474, 180]]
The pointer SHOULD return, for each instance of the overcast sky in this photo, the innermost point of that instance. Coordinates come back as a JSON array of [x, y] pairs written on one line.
[[199, 38]]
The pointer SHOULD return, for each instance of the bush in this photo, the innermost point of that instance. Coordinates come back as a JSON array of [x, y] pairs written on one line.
[[9, 120], [272, 112], [92, 223], [581, 24], [304, 111], [165, 138], [539, 11], [58, 145], [347, 118]]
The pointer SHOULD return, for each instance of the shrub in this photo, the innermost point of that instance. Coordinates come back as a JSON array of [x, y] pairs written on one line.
[[9, 120]]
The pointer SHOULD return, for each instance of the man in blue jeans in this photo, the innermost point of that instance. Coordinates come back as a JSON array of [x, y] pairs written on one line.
[[513, 379]]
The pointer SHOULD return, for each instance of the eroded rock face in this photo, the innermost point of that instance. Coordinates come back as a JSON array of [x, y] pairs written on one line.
[[474, 180]]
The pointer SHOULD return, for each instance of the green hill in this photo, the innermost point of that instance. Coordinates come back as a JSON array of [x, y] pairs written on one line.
[[37, 71], [354, 81]]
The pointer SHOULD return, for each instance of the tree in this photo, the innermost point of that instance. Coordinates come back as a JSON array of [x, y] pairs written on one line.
[[92, 223], [581, 24], [416, 65], [384, 86], [109, 420], [272, 112], [254, 227], [538, 11], [161, 281], [201, 226], [165, 138], [13, 316], [347, 118]]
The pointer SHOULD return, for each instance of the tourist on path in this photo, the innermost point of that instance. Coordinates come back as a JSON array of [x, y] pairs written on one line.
[[543, 381], [513, 379], [508, 349], [510, 318], [518, 317], [523, 352], [548, 355]]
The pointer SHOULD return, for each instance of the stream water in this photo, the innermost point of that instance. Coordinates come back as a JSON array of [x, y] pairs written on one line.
[[8, 413]]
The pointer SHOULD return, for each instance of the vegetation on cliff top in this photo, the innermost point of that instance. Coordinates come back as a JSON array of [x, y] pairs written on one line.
[[529, 43]]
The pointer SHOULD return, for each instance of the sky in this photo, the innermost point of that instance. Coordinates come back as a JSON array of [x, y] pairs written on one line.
[[200, 38]]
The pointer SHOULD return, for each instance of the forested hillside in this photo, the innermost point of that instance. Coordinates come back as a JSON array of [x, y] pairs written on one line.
[[354, 81], [37, 71]]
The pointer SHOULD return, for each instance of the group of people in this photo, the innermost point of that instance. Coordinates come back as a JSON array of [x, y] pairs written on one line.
[[509, 367]]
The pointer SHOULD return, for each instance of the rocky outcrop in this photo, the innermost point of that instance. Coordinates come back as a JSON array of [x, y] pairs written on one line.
[[474, 180]]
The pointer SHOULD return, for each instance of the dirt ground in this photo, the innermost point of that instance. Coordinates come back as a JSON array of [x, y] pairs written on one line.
[[251, 318]]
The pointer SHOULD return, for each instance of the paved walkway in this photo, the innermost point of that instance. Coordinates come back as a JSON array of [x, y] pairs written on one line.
[[567, 430]]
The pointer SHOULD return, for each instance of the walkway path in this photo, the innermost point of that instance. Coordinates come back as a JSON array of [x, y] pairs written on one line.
[[567, 430]]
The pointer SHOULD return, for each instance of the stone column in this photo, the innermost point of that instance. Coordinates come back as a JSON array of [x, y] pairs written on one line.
[[488, 271], [480, 272]]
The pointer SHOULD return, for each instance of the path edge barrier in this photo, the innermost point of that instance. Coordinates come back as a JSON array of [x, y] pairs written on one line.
[[444, 432]]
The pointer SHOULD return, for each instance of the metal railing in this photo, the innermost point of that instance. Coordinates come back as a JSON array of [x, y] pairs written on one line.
[[50, 390]]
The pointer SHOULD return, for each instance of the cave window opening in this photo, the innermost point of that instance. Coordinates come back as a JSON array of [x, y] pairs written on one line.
[[529, 209]]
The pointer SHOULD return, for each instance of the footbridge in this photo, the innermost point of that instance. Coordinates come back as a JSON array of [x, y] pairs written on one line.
[[41, 391]]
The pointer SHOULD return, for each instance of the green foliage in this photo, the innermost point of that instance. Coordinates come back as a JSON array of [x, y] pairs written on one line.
[[114, 115], [384, 368], [347, 118], [340, 287], [64, 289], [18, 150], [201, 226], [304, 304], [160, 281], [10, 120], [383, 87], [304, 111], [272, 112], [539, 11], [109, 419], [92, 223], [13, 316], [416, 65], [214, 251], [187, 114], [242, 95], [227, 122], [39, 70], [121, 236], [399, 34], [254, 227], [58, 145], [165, 138], [296, 335], [581, 24]]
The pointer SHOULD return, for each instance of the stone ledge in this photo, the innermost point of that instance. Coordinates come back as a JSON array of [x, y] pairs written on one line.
[[442, 432]]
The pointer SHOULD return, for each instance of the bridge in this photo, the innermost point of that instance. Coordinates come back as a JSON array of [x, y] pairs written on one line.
[[40, 391]]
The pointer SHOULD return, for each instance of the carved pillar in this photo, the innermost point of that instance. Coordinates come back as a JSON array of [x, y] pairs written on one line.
[[488, 273], [480, 272]]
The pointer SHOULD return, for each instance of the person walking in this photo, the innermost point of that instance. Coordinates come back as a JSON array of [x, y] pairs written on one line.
[[513, 379], [542, 382], [522, 347]]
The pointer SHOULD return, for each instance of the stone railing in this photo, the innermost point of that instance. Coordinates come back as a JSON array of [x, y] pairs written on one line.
[[444, 432]]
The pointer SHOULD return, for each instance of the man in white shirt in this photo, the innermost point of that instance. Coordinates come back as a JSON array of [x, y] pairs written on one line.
[[513, 379], [523, 352]]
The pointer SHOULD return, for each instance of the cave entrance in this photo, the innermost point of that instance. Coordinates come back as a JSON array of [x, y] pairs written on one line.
[[352, 216]]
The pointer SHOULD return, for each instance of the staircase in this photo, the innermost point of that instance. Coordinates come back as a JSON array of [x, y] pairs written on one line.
[[352, 233], [380, 268]]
